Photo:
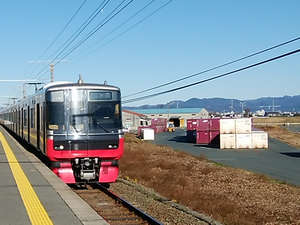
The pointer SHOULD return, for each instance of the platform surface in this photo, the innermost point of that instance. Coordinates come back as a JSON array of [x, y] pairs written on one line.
[[30, 193]]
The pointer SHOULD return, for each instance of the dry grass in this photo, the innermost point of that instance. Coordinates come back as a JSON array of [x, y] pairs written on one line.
[[295, 119], [229, 195]]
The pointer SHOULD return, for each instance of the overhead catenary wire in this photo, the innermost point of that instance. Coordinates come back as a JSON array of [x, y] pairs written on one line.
[[209, 79], [44, 71], [214, 68], [70, 20], [97, 28], [86, 23], [76, 34], [100, 25], [140, 21], [65, 27]]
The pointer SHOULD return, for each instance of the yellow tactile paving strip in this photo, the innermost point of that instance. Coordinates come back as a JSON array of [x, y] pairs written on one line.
[[36, 212]]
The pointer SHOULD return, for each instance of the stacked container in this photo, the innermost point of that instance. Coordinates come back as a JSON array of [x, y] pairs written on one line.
[[202, 128], [229, 133], [243, 128], [157, 124], [259, 139], [191, 136], [239, 134], [203, 131]]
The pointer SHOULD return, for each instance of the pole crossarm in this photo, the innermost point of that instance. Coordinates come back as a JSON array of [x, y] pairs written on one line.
[[52, 63]]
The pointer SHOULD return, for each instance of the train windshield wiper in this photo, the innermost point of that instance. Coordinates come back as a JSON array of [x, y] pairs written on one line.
[[101, 126], [73, 124]]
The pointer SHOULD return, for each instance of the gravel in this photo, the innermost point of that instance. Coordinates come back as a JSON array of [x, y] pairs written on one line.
[[162, 209]]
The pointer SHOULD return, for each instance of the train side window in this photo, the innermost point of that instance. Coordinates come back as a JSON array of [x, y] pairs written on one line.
[[32, 118], [25, 118], [55, 116]]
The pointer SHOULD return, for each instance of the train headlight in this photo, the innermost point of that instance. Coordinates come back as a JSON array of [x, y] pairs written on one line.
[[60, 147], [113, 146]]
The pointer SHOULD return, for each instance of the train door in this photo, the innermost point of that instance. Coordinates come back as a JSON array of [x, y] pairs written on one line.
[[28, 123], [38, 125], [43, 125], [14, 120], [22, 124], [19, 122]]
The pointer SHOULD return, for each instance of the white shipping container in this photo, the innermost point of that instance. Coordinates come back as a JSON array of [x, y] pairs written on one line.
[[260, 139], [227, 126], [147, 134], [243, 125], [243, 141], [227, 141]]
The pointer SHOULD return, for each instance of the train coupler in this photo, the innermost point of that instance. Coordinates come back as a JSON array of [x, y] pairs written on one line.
[[86, 168]]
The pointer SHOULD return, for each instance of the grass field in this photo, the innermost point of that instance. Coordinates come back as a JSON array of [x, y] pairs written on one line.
[[295, 119]]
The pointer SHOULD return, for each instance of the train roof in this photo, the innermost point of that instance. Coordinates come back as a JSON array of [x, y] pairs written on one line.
[[67, 84]]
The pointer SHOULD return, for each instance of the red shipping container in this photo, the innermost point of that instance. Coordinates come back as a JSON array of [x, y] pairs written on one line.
[[154, 121], [203, 124], [214, 137], [191, 136], [203, 137], [214, 124], [191, 124]]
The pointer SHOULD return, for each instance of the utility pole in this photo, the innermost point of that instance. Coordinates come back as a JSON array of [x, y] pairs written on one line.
[[35, 85], [243, 104], [14, 99], [51, 63], [17, 81], [31, 83], [231, 105]]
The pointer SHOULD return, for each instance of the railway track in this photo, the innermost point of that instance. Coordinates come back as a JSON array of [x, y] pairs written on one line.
[[111, 207]]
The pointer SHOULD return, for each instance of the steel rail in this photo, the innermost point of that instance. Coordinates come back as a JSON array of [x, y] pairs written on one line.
[[129, 206]]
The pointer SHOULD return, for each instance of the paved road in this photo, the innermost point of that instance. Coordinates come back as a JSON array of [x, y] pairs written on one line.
[[280, 161]]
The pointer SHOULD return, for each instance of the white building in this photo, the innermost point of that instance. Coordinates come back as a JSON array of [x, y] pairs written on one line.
[[177, 115]]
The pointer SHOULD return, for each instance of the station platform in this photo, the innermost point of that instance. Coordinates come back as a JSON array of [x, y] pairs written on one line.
[[30, 193]]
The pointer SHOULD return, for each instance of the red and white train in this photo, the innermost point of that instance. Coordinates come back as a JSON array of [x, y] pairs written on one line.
[[78, 126]]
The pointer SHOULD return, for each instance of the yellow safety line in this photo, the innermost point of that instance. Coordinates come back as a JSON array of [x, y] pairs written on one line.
[[34, 207]]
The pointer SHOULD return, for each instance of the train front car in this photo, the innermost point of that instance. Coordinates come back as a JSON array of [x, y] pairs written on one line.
[[84, 132]]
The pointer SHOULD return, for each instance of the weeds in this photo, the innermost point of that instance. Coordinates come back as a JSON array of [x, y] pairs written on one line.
[[230, 195]]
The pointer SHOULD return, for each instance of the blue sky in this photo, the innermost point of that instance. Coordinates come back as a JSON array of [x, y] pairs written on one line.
[[181, 39]]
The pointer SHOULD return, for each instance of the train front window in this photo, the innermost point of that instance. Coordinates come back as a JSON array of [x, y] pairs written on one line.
[[104, 111], [55, 110]]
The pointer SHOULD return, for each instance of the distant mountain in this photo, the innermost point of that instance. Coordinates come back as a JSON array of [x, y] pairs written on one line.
[[283, 104]]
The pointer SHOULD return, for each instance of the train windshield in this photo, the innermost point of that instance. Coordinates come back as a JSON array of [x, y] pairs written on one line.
[[104, 111], [84, 111]]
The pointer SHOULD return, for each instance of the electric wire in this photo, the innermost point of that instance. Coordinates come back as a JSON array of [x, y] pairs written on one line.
[[209, 79], [56, 37], [79, 32], [123, 31], [96, 29], [100, 25], [76, 34], [214, 68], [63, 29]]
